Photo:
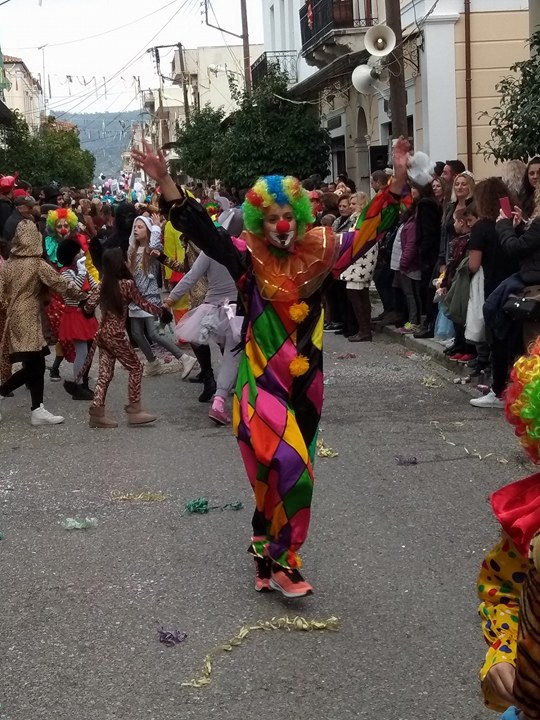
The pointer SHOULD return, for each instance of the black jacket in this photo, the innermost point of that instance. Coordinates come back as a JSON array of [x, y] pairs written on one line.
[[524, 248], [428, 232], [6, 208], [13, 220]]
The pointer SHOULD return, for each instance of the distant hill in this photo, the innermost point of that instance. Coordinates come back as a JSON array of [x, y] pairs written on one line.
[[106, 135]]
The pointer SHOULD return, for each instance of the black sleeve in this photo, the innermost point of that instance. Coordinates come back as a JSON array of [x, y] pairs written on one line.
[[190, 218], [519, 246], [479, 237], [428, 229]]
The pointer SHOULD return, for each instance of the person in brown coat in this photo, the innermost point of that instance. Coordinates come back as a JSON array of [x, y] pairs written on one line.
[[24, 283]]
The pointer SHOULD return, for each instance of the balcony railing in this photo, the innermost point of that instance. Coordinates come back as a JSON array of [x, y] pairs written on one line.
[[319, 17], [284, 60]]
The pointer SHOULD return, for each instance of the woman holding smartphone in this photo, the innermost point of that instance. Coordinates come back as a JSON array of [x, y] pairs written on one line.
[[486, 252]]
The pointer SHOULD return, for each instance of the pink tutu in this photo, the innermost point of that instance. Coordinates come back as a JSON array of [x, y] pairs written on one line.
[[207, 322]]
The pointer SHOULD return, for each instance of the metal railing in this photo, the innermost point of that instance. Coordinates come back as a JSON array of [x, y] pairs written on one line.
[[284, 60], [319, 17]]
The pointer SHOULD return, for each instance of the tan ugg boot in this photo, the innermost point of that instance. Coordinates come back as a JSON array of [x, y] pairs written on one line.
[[98, 419], [137, 416]]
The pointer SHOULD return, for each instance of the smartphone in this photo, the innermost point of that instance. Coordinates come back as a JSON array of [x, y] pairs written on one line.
[[504, 202]]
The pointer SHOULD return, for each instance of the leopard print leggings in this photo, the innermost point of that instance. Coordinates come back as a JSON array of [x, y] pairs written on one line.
[[122, 351]]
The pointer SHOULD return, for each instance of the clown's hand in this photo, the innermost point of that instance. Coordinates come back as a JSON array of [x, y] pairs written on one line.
[[153, 164], [500, 682], [401, 155], [81, 266]]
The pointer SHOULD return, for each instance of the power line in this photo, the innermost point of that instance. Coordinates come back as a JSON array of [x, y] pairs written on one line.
[[92, 37], [130, 62]]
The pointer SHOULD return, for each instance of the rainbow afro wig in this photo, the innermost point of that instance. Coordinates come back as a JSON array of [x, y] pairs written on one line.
[[283, 191], [523, 401], [53, 216]]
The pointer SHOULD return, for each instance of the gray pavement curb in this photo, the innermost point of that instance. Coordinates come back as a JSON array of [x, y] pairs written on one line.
[[428, 347]]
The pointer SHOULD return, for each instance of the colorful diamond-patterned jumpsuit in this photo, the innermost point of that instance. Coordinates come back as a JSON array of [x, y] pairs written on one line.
[[276, 413]]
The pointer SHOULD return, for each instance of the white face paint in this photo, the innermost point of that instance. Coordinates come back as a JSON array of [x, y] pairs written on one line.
[[280, 226], [282, 240]]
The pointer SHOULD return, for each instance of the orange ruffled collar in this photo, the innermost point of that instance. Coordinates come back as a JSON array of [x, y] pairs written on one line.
[[297, 274]]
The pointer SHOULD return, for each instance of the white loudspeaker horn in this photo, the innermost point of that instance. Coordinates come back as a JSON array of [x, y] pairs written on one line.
[[380, 40], [362, 79]]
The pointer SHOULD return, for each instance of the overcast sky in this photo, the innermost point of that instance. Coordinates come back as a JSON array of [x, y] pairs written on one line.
[[116, 56]]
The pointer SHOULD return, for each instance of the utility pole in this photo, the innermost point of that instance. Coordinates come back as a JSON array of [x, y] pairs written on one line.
[[244, 37], [398, 95], [184, 84], [245, 40]]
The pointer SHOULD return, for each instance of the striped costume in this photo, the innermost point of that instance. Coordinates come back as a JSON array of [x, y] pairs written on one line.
[[279, 391]]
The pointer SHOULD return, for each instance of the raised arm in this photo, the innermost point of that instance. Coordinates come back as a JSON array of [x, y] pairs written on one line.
[[379, 216], [518, 246], [187, 215]]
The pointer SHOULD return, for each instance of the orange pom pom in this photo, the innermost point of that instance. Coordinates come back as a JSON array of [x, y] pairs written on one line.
[[298, 312], [299, 366]]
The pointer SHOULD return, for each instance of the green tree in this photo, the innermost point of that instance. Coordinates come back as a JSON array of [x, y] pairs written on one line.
[[51, 155], [197, 143], [515, 124], [271, 133], [17, 147]]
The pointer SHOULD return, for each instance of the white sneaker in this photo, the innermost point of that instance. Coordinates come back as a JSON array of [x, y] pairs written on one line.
[[153, 368], [488, 401], [189, 363], [40, 416]]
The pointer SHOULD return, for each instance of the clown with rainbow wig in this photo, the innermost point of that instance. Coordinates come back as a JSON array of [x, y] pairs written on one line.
[[281, 270]]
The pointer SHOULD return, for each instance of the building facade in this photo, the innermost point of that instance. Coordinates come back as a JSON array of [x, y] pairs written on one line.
[[446, 114], [22, 91], [209, 71], [166, 109]]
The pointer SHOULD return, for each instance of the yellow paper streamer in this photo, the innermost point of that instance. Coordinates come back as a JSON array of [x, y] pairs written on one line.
[[431, 382], [325, 451], [282, 623], [140, 497]]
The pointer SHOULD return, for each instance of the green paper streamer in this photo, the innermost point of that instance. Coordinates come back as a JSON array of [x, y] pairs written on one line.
[[201, 506]]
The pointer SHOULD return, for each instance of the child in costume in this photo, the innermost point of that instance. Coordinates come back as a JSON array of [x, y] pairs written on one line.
[[75, 327], [509, 581], [281, 277], [116, 292], [215, 318], [146, 234], [174, 248], [62, 224], [24, 280]]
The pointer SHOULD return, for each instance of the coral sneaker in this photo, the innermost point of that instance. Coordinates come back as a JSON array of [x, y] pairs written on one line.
[[290, 583], [262, 575]]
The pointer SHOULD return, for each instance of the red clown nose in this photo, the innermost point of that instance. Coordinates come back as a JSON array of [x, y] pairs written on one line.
[[283, 226]]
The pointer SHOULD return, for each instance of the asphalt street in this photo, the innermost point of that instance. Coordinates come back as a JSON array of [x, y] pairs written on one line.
[[393, 552]]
